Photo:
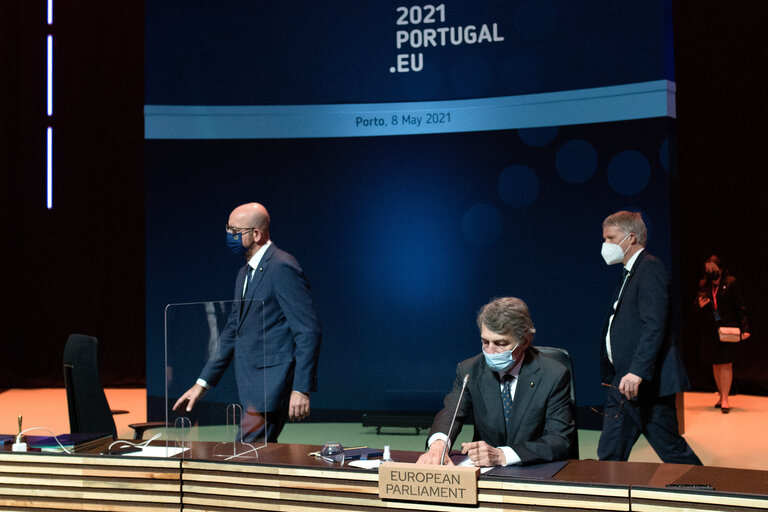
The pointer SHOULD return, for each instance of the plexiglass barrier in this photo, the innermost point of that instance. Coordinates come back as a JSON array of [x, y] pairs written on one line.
[[222, 343]]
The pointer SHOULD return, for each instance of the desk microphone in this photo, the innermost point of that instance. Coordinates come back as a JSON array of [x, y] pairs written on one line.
[[448, 441]]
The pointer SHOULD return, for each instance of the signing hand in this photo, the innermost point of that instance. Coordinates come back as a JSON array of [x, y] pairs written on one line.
[[192, 395], [703, 301], [483, 454], [630, 385], [298, 407], [432, 456]]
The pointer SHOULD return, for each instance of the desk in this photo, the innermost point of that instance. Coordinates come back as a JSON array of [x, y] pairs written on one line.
[[285, 477], [34, 481]]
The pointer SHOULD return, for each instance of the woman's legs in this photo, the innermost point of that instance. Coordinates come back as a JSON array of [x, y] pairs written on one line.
[[723, 378]]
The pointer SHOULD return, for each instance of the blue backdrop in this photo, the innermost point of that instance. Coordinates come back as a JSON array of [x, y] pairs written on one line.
[[404, 235]]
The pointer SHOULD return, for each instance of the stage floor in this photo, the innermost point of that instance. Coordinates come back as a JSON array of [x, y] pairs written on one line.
[[728, 440]]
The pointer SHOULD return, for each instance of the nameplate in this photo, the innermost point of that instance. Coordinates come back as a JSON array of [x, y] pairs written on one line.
[[424, 482]]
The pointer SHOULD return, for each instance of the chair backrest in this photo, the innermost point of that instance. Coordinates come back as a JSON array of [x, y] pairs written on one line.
[[562, 356], [88, 407]]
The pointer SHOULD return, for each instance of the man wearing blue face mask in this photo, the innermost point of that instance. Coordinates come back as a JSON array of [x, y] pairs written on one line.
[[640, 365], [520, 400], [291, 332]]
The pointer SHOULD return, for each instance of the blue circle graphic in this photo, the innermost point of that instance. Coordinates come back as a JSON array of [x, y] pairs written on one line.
[[629, 172], [576, 161], [664, 154], [538, 137], [482, 225], [518, 186]]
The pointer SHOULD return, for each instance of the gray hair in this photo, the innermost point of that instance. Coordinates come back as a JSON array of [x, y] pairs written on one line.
[[507, 315], [629, 222]]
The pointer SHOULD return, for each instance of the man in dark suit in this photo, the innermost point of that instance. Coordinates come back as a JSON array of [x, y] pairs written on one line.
[[640, 365], [520, 400], [272, 332]]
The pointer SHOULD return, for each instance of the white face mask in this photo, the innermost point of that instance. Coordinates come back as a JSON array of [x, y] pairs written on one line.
[[613, 253]]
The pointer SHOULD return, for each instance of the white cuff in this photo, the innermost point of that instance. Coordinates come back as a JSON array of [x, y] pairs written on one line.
[[511, 457], [437, 436], [201, 382]]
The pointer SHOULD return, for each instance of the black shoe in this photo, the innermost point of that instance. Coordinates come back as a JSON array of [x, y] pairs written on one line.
[[725, 410]]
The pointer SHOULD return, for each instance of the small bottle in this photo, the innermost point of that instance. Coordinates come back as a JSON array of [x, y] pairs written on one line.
[[387, 457]]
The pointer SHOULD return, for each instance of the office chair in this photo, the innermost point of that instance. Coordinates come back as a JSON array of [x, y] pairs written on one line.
[[562, 356], [89, 410]]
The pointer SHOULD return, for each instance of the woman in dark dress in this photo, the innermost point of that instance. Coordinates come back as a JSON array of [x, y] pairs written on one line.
[[720, 304]]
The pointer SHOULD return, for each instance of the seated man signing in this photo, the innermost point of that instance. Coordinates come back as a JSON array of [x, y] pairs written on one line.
[[520, 400]]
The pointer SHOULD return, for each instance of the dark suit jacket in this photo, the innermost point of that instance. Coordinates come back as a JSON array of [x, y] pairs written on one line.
[[733, 313], [277, 342], [542, 422], [642, 340], [730, 303]]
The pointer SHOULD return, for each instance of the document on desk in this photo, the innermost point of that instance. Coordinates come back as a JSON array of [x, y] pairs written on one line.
[[468, 463], [157, 451]]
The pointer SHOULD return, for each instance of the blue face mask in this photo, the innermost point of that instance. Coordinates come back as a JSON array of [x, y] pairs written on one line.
[[500, 362], [235, 244]]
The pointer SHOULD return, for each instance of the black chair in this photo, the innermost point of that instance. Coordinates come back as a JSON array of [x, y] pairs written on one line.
[[89, 410], [563, 357]]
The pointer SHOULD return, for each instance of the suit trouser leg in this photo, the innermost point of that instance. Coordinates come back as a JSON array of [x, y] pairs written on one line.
[[663, 435], [254, 427], [275, 423], [621, 428]]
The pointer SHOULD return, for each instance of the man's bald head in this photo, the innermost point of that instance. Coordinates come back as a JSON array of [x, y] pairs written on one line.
[[250, 215], [251, 220]]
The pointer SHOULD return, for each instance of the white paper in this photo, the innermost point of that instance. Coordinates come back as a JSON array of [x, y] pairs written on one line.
[[157, 451], [468, 462], [365, 464]]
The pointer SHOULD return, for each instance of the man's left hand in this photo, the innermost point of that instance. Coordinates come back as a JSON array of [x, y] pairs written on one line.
[[483, 454], [630, 385], [298, 408]]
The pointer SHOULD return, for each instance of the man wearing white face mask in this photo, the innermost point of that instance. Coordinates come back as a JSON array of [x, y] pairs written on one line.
[[640, 365], [520, 400]]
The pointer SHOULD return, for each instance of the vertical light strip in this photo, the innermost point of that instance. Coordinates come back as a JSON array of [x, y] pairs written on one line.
[[49, 110], [49, 168], [50, 76]]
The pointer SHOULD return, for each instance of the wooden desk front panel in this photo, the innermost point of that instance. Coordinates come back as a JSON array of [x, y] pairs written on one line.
[[734, 489], [285, 477], [30, 481], [546, 495], [655, 500], [236, 487]]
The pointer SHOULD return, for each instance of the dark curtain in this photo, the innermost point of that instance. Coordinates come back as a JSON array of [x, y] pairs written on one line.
[[721, 68], [78, 267]]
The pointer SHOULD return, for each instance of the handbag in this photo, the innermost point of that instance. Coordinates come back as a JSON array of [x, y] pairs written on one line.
[[729, 334]]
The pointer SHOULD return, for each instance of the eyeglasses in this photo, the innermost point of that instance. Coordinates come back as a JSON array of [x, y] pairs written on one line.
[[621, 404], [232, 230]]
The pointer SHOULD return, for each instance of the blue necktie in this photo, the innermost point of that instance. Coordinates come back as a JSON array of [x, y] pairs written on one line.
[[248, 279], [506, 398]]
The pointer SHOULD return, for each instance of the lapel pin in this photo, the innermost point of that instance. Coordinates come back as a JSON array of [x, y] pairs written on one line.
[[261, 269], [531, 383]]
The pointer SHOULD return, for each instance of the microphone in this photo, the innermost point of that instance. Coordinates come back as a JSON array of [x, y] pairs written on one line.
[[448, 441]]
